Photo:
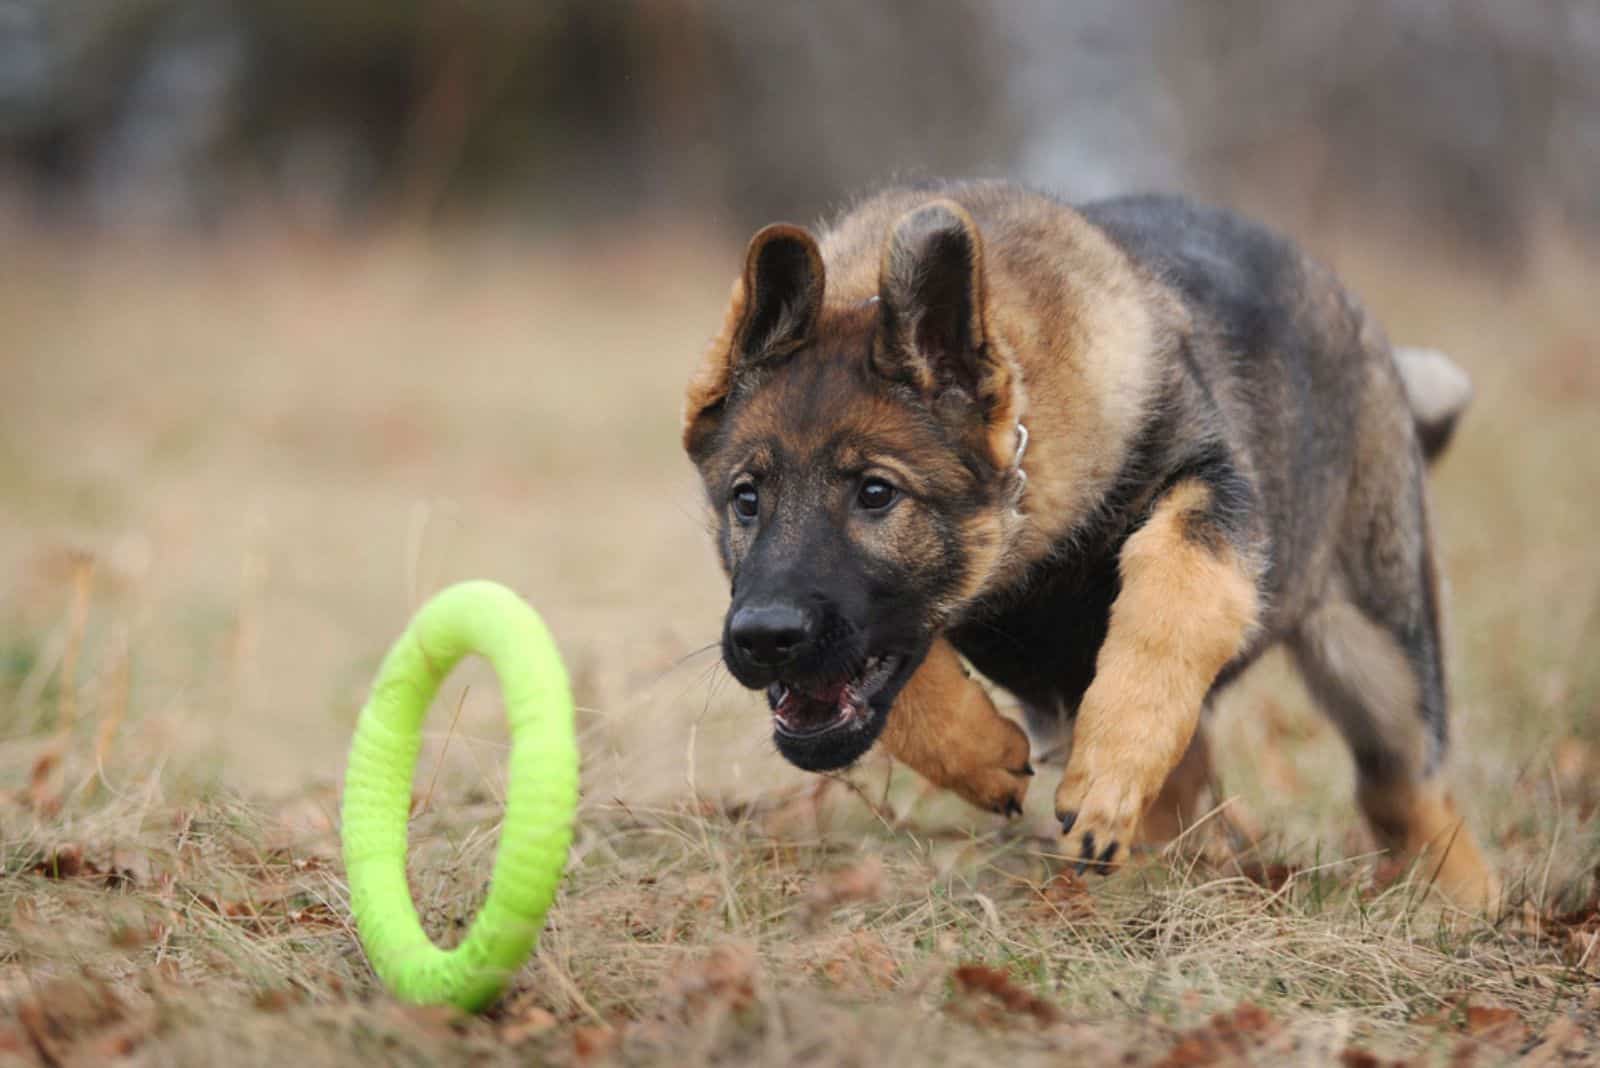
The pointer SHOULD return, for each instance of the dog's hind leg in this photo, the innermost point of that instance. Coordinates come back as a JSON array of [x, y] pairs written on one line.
[[1179, 804], [945, 728], [1384, 691]]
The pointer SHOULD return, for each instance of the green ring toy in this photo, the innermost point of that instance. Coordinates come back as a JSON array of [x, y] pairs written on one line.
[[541, 796]]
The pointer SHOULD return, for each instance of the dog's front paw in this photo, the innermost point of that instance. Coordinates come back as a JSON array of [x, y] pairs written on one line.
[[945, 726], [1099, 817], [996, 789]]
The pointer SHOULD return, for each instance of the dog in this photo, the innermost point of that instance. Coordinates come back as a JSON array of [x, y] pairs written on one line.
[[1107, 455]]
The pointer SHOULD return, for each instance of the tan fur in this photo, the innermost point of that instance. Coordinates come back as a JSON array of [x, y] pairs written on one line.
[[1082, 353], [946, 729], [1184, 611], [1417, 820]]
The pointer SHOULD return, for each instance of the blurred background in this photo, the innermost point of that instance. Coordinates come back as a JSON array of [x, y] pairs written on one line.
[[309, 307], [1456, 120]]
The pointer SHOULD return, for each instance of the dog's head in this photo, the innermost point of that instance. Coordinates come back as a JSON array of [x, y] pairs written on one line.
[[858, 456]]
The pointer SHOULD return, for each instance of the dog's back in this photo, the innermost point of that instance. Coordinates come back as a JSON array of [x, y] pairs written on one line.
[[1284, 370]]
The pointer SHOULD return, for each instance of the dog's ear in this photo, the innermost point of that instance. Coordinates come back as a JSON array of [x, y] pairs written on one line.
[[772, 313], [782, 283], [931, 291], [933, 333]]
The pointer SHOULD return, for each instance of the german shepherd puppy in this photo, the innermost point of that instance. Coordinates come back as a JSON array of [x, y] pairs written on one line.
[[1108, 455]]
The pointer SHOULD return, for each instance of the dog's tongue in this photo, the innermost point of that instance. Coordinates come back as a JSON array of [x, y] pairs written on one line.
[[827, 695], [815, 705]]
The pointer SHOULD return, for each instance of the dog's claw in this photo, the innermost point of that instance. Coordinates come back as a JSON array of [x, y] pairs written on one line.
[[1089, 856], [1000, 790], [1086, 856], [1100, 864]]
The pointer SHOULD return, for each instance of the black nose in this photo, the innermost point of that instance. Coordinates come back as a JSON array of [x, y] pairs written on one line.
[[771, 635]]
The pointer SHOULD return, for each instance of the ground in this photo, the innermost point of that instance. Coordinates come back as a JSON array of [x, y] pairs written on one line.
[[229, 472]]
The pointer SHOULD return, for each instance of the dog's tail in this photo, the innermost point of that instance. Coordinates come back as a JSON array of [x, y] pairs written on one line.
[[1439, 391]]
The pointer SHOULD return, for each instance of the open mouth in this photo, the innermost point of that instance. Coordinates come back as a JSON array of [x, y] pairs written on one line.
[[804, 710]]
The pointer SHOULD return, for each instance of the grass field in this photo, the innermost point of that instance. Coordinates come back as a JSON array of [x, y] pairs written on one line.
[[228, 474]]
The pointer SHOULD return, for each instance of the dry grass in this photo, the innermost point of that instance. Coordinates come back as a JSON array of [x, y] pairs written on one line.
[[227, 475]]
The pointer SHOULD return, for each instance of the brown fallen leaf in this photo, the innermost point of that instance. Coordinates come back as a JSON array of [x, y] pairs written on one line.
[[1226, 1038], [137, 935], [232, 910], [593, 1043], [1494, 1023], [1273, 877], [66, 1014], [980, 979], [1066, 896], [1585, 916], [529, 1022], [859, 882], [860, 961], [1195, 1049], [1246, 1019], [119, 1041], [37, 1026], [329, 981], [1581, 950], [317, 914], [726, 978], [65, 862], [279, 999]]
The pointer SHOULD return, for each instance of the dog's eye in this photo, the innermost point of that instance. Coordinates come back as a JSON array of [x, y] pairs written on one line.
[[746, 503], [875, 495]]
